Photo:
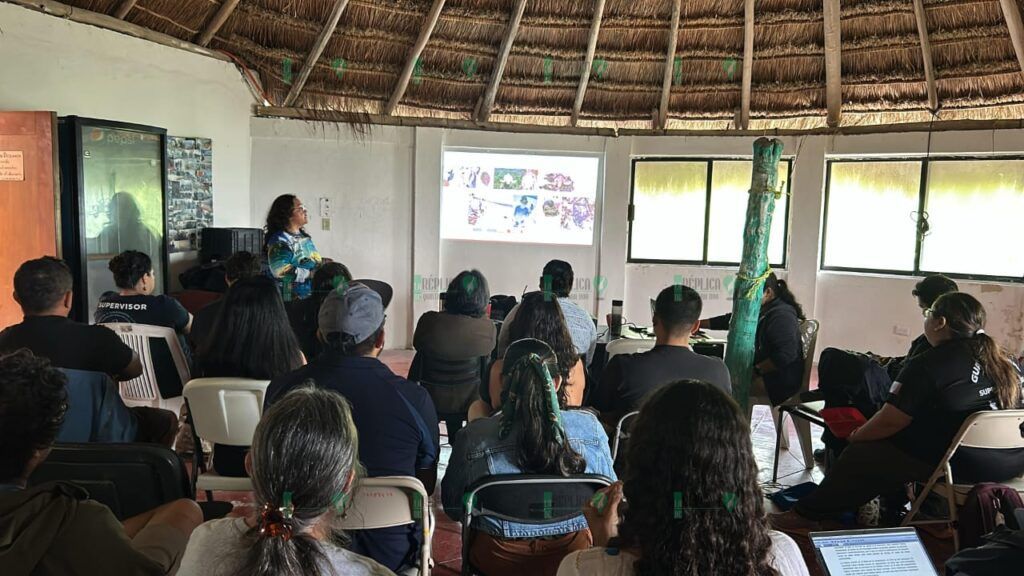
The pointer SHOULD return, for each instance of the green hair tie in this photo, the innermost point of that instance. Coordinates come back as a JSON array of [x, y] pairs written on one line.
[[507, 407]]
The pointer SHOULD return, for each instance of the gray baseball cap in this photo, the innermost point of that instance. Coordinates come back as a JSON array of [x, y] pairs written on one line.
[[357, 311]]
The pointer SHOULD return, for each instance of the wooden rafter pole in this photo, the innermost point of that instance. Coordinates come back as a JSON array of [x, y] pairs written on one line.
[[124, 8], [215, 23], [316, 51], [487, 103], [833, 63], [670, 56], [588, 63], [748, 63], [1013, 21], [926, 55], [107, 22], [414, 56]]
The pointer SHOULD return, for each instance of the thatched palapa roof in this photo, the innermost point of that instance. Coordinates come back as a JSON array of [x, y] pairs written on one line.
[[757, 64]]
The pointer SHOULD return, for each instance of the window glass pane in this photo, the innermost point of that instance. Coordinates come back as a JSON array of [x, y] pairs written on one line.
[[974, 215], [730, 182], [871, 215], [669, 200]]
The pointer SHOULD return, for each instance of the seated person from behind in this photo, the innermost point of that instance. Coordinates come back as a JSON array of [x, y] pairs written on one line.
[[238, 266], [42, 288], [307, 446], [53, 528], [778, 351], [135, 303], [303, 313], [964, 372], [628, 378], [557, 279], [531, 435], [250, 339], [462, 331], [695, 506], [539, 316], [395, 418]]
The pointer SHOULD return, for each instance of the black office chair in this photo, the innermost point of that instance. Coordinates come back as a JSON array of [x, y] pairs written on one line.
[[452, 384], [128, 478], [526, 499]]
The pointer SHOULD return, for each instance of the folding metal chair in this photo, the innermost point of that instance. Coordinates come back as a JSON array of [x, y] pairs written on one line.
[[992, 429], [388, 501]]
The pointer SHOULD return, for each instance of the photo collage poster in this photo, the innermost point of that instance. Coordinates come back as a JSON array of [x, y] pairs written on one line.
[[189, 191], [528, 198]]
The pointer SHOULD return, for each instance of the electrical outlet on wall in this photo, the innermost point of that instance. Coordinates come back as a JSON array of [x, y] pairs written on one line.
[[325, 224], [900, 330], [325, 207]]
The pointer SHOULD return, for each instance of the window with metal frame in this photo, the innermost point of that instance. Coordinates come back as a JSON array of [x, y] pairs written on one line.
[[960, 216], [692, 211]]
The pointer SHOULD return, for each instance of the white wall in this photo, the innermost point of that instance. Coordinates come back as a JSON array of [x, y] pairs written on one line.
[[863, 312], [73, 69], [369, 182]]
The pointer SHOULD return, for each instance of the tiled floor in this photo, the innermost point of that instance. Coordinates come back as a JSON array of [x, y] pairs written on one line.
[[446, 544]]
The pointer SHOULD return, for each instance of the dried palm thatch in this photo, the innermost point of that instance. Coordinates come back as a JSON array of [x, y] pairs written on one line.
[[882, 80]]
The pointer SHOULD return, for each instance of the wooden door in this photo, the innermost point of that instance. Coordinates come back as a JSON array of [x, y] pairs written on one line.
[[28, 194]]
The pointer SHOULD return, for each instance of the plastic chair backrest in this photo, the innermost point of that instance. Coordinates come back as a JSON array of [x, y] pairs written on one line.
[[164, 367], [808, 342], [998, 429], [226, 410], [127, 478], [628, 346], [96, 412]]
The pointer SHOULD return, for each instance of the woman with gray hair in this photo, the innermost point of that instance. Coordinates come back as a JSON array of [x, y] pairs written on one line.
[[303, 466]]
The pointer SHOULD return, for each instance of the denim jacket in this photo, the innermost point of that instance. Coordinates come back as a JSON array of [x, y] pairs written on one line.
[[478, 452]]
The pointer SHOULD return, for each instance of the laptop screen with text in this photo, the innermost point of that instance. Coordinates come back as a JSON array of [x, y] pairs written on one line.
[[892, 551]]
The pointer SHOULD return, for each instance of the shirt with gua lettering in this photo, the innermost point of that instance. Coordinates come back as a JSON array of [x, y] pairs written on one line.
[[939, 389]]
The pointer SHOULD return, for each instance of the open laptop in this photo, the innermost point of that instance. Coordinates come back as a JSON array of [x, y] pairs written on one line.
[[889, 551]]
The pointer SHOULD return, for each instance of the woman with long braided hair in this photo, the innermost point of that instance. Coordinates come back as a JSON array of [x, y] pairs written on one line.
[[531, 434]]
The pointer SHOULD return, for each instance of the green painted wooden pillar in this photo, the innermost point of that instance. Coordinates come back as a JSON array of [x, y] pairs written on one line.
[[749, 286]]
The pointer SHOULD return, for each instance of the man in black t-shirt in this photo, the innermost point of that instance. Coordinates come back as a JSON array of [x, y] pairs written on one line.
[[42, 288], [629, 378]]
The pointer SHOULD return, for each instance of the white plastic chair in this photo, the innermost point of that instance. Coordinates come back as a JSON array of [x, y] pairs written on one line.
[[993, 429], [388, 501], [144, 390], [620, 434], [628, 346], [808, 342], [224, 411]]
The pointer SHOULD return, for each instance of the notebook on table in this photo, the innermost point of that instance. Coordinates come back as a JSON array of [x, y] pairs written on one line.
[[889, 551]]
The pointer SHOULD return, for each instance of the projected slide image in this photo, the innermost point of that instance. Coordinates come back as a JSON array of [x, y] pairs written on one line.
[[519, 198]]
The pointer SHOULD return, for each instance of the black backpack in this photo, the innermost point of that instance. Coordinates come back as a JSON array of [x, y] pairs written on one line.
[[848, 378]]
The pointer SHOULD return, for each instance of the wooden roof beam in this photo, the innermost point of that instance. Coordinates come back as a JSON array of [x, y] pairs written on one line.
[[414, 56], [124, 8], [1013, 21], [926, 55], [316, 51], [670, 56], [833, 63], [748, 63], [588, 63], [227, 7], [487, 103]]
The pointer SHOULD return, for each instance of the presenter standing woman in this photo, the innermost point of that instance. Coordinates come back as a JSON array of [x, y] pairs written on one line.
[[290, 251]]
